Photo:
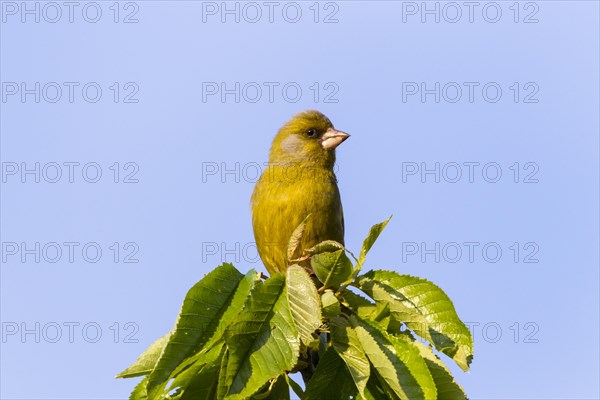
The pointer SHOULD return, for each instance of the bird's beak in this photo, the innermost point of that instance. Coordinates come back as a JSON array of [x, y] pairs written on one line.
[[333, 138]]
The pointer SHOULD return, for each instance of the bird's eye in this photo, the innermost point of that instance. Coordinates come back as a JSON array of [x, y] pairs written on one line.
[[311, 132]]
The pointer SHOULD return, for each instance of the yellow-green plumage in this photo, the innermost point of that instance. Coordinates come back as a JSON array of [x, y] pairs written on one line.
[[298, 181]]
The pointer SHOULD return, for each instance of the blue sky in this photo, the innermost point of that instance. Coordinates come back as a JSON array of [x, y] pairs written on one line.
[[130, 150]]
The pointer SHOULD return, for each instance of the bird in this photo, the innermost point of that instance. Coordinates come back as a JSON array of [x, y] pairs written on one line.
[[298, 184]]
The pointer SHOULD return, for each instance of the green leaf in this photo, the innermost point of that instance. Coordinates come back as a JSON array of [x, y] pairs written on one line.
[[280, 390], [263, 342], [233, 307], [296, 240], [331, 305], [139, 392], [304, 302], [374, 390], [199, 381], [425, 309], [295, 387], [323, 342], [326, 246], [364, 308], [348, 346], [222, 386], [332, 268], [331, 379], [358, 304], [277, 390], [236, 305], [374, 233], [396, 362], [147, 360], [207, 307], [447, 387]]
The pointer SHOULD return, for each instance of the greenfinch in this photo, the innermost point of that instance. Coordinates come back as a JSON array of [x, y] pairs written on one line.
[[298, 182]]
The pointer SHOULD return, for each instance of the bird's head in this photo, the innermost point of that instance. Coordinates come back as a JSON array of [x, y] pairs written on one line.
[[308, 137]]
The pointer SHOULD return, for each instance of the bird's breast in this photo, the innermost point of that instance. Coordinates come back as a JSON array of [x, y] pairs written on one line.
[[283, 198]]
